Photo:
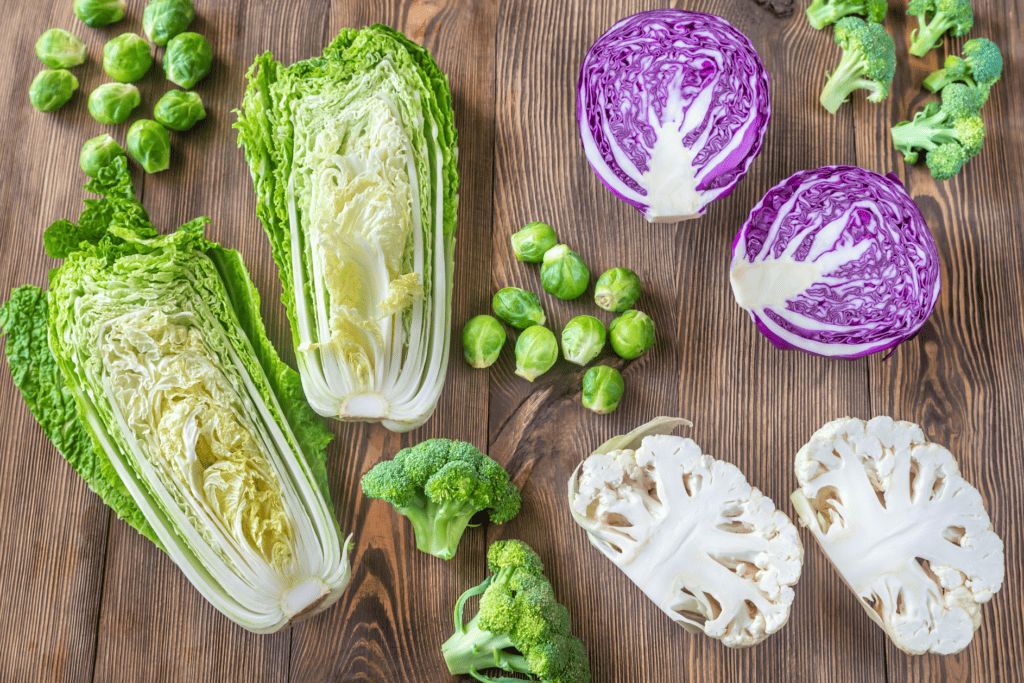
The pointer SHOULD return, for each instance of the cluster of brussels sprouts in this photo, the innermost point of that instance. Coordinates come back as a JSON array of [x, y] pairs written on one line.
[[563, 275], [127, 58]]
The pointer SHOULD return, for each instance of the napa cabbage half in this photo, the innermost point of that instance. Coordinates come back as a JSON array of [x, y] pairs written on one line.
[[148, 366], [353, 159]]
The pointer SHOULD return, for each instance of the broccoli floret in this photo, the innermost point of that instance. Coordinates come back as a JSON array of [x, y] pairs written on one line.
[[820, 13], [869, 62], [439, 485], [951, 133], [980, 67], [520, 626], [955, 16]]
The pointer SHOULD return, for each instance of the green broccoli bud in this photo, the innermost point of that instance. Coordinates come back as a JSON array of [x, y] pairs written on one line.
[[936, 17], [945, 160], [980, 67], [868, 62], [439, 485], [520, 625], [821, 13], [950, 133]]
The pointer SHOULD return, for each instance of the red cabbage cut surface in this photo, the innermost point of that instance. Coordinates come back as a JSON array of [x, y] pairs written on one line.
[[837, 261], [672, 107]]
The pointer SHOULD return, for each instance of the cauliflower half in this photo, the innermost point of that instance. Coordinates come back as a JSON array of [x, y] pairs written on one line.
[[908, 535], [709, 549]]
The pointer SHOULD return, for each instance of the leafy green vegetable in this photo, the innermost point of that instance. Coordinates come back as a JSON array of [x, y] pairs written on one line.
[[126, 58], [97, 153], [617, 289], [564, 274], [179, 110], [602, 389], [532, 241], [583, 338], [150, 145], [188, 59], [148, 366], [112, 103], [353, 161], [164, 19], [632, 334], [439, 485], [60, 49], [536, 352], [96, 13], [51, 89], [482, 339], [518, 307]]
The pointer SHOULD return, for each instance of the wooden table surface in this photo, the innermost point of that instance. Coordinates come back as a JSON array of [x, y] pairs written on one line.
[[85, 598]]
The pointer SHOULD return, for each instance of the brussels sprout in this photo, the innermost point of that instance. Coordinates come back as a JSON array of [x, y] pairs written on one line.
[[617, 289], [530, 243], [164, 19], [632, 333], [536, 352], [179, 110], [126, 58], [113, 102], [188, 58], [582, 339], [51, 89], [60, 49], [96, 13], [150, 145], [564, 274], [482, 339], [602, 389], [518, 307], [97, 153]]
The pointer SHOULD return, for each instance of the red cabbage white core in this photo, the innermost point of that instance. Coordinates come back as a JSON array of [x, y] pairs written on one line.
[[672, 107], [836, 261]]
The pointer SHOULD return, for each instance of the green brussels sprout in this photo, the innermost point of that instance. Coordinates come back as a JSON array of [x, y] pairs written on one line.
[[617, 289], [96, 13], [582, 339], [602, 389], [51, 89], [113, 103], [188, 58], [518, 307], [536, 352], [482, 339], [126, 58], [97, 153], [530, 243], [150, 145], [564, 274], [60, 49], [632, 334], [164, 19], [179, 110]]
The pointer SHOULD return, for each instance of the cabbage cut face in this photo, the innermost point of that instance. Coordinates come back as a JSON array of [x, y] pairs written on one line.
[[353, 160], [172, 404], [672, 107], [836, 261]]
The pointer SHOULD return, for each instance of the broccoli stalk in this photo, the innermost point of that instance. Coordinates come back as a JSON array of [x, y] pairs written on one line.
[[955, 16], [520, 626], [439, 485], [868, 62], [951, 133], [980, 67], [821, 13]]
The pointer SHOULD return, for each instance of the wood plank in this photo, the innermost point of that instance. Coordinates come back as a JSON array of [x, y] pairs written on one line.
[[954, 378]]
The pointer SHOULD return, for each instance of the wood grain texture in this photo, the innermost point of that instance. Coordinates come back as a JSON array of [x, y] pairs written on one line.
[[85, 598]]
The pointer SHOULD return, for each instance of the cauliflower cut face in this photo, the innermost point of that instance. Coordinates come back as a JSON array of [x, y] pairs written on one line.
[[908, 535], [709, 549]]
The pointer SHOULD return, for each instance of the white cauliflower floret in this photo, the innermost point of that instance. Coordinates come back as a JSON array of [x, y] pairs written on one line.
[[709, 549], [907, 533]]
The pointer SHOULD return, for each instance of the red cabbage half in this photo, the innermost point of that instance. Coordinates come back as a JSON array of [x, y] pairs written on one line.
[[672, 107], [837, 261]]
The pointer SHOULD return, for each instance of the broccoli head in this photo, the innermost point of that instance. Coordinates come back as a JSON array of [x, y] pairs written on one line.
[[439, 485], [821, 13], [951, 133], [520, 626], [980, 67], [868, 62], [955, 16]]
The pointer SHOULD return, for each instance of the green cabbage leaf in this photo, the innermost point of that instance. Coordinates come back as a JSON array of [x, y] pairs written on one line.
[[148, 366], [353, 160]]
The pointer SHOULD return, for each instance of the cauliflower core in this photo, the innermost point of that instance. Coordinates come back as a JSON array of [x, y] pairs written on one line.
[[908, 535], [709, 549]]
